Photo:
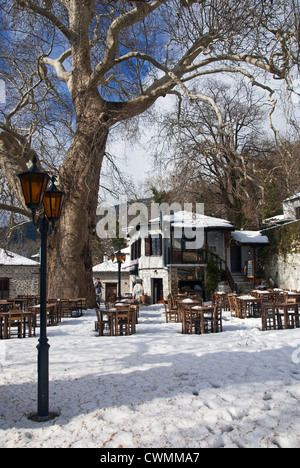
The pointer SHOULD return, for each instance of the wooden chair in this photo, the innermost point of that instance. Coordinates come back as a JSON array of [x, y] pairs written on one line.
[[65, 308], [292, 315], [123, 323], [190, 320], [17, 324], [271, 320], [171, 312], [76, 307], [208, 322], [218, 324], [240, 311], [231, 305], [103, 324]]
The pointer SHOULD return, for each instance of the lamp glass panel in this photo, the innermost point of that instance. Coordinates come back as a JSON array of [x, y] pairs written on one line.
[[52, 204], [34, 186]]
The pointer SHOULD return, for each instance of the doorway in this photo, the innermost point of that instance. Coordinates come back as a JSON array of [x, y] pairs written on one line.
[[111, 292], [236, 259], [157, 290]]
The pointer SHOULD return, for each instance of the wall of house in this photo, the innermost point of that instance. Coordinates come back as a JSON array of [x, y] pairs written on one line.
[[24, 280], [281, 260], [290, 209], [149, 275]]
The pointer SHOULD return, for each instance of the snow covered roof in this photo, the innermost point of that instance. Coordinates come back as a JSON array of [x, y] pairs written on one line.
[[278, 220], [294, 197], [10, 258], [111, 267], [195, 220], [249, 237]]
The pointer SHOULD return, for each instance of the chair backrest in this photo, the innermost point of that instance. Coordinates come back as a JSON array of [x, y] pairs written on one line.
[[236, 303], [123, 313], [98, 314], [268, 309], [217, 311], [15, 316]]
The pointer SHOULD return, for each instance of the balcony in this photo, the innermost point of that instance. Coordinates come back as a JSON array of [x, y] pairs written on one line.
[[191, 257]]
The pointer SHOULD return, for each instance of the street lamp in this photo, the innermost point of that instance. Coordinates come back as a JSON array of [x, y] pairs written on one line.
[[120, 257], [37, 196]]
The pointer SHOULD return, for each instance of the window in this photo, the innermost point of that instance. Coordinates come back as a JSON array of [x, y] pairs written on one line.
[[4, 288], [153, 246], [136, 250], [156, 245]]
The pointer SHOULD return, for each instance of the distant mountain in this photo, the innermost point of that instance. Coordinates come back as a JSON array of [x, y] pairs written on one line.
[[23, 239]]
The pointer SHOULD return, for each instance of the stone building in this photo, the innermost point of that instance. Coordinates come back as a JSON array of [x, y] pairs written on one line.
[[107, 271], [18, 275], [172, 262]]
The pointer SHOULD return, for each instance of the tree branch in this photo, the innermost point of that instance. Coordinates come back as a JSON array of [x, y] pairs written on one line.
[[15, 209], [46, 13], [141, 11]]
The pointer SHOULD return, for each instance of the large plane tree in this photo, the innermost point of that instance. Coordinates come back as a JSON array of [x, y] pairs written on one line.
[[76, 68]]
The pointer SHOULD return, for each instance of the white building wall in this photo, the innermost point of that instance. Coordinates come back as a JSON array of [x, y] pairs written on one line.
[[289, 208], [285, 271]]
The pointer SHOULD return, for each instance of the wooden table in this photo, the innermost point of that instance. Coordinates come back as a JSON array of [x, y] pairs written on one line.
[[248, 305], [185, 302], [52, 312], [201, 310]]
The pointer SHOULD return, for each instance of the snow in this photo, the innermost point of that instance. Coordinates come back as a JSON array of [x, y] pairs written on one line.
[[249, 237], [156, 388], [110, 266], [294, 197], [10, 258], [194, 220]]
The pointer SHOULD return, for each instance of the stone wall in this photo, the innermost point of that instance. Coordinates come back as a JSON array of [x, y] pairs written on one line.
[[23, 280], [285, 271], [281, 259]]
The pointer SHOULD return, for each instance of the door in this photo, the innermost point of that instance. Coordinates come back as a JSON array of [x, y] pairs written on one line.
[[236, 259], [111, 292], [4, 288], [157, 290]]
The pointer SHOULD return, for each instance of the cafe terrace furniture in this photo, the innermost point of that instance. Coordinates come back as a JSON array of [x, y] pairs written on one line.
[[52, 313], [105, 324], [170, 311], [118, 320], [190, 319], [270, 319], [16, 323], [186, 301], [72, 307], [249, 306], [289, 313], [206, 316], [280, 316]]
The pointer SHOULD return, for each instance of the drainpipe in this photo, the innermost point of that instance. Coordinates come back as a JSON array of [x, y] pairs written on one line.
[[163, 242]]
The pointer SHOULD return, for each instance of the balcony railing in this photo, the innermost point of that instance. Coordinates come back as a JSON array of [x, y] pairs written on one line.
[[178, 257]]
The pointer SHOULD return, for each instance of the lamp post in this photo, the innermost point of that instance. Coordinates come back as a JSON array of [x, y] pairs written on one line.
[[120, 257], [37, 196]]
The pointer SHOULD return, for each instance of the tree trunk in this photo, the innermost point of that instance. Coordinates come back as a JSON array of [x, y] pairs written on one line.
[[69, 252]]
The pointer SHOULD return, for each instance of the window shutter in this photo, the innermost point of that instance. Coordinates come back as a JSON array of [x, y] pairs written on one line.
[[148, 246]]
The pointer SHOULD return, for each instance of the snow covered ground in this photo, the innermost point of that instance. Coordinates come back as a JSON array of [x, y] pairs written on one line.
[[157, 388]]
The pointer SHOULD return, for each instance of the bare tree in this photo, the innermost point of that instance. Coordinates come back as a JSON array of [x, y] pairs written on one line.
[[220, 166], [112, 61]]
